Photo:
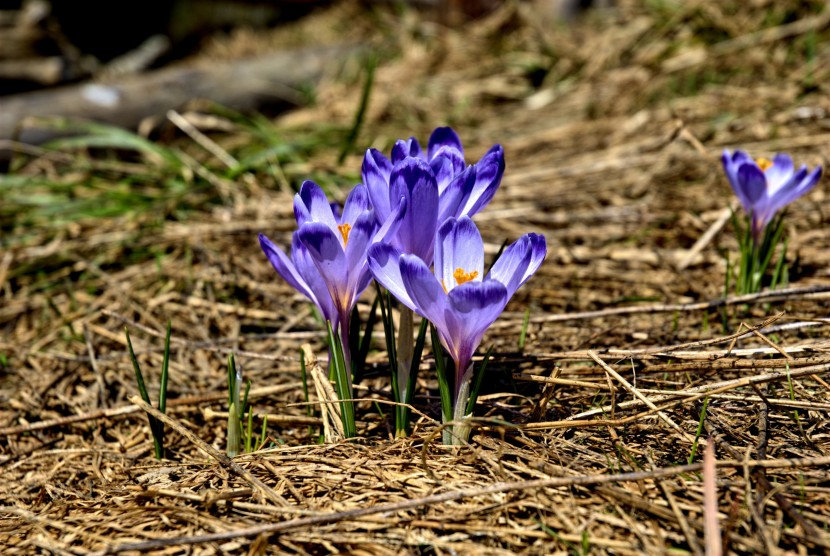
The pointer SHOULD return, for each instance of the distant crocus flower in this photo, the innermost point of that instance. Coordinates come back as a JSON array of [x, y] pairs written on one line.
[[460, 190], [766, 186], [457, 298], [328, 251]]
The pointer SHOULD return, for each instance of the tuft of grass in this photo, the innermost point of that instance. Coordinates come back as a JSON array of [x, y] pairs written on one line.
[[156, 426]]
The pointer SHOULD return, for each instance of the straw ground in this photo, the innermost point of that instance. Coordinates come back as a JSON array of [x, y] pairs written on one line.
[[590, 433]]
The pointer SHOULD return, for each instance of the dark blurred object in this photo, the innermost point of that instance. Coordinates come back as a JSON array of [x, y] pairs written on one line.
[[457, 12], [266, 81], [47, 43], [33, 51], [108, 29]]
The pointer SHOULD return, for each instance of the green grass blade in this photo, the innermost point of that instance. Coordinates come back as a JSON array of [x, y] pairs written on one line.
[[264, 436], [234, 432], [155, 426], [245, 407], [444, 387], [165, 366], [699, 431], [366, 340], [477, 380], [249, 432], [523, 333], [371, 64], [389, 334], [342, 383], [231, 380]]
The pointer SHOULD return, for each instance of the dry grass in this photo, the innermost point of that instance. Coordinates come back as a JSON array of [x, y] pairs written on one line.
[[586, 439]]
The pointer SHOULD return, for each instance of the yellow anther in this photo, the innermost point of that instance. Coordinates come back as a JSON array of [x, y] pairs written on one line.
[[763, 163], [344, 231], [462, 277]]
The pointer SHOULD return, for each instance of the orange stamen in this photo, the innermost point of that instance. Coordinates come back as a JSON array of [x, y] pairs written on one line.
[[462, 277], [763, 163], [344, 231]]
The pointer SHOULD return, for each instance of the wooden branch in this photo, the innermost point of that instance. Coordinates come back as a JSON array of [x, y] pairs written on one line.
[[239, 84]]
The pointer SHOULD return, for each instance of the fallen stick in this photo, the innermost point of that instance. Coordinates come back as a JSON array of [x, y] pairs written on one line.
[[238, 84]]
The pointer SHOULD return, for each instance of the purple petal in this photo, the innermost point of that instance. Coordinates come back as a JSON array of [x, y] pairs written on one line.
[[375, 172], [423, 289], [474, 306], [456, 194], [384, 263], [404, 149], [285, 267], [301, 273], [446, 164], [359, 238], [519, 262], [489, 172], [800, 184], [443, 137], [326, 251], [413, 180], [752, 183], [458, 245], [356, 204], [390, 227], [779, 173], [311, 205], [731, 162], [307, 269]]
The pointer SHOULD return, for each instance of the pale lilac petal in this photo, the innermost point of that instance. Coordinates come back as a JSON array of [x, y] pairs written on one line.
[[317, 207], [356, 204], [375, 172], [474, 306], [390, 227], [285, 267], [731, 163], [404, 149], [443, 137], [780, 173], [423, 289], [800, 185], [489, 172], [307, 269], [519, 261], [384, 263], [752, 183], [360, 237], [458, 245], [326, 251], [446, 164], [413, 180], [456, 194]]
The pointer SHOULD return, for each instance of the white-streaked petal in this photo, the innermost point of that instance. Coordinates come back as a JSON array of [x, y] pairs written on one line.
[[384, 263], [461, 256], [316, 204]]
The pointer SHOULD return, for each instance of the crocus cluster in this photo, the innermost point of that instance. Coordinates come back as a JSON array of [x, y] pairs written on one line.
[[411, 213]]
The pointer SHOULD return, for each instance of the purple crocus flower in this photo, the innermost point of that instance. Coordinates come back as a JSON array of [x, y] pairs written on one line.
[[328, 251], [440, 181], [456, 297], [766, 186]]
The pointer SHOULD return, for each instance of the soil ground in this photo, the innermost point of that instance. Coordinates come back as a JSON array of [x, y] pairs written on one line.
[[591, 429]]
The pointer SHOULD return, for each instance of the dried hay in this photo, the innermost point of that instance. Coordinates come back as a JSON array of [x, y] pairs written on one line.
[[583, 436]]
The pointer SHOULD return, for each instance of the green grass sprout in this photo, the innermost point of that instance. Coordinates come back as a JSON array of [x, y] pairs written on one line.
[[156, 426]]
